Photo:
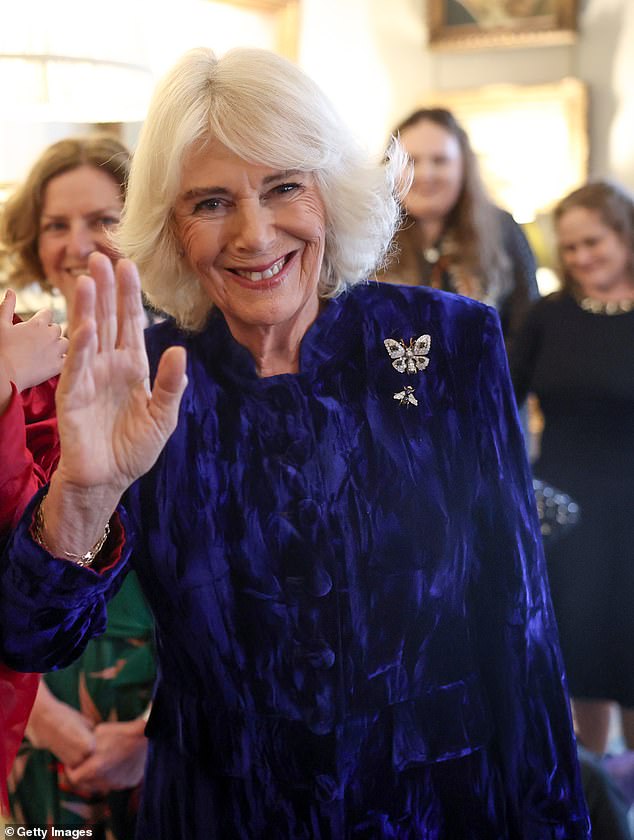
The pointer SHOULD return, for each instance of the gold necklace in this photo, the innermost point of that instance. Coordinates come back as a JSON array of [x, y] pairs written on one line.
[[606, 307]]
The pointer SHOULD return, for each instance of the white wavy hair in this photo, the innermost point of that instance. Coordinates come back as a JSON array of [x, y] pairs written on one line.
[[267, 111]]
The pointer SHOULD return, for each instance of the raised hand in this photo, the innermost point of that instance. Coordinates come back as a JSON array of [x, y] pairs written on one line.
[[111, 427], [30, 351]]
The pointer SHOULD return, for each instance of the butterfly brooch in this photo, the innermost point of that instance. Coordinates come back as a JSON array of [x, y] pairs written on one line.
[[408, 358]]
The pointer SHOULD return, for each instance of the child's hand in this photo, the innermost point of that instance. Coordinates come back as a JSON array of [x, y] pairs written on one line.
[[31, 351]]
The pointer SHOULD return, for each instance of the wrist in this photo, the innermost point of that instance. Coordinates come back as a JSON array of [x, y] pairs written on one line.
[[85, 559], [73, 523], [44, 717], [85, 496]]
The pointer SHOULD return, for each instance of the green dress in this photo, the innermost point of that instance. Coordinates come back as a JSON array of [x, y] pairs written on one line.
[[112, 680]]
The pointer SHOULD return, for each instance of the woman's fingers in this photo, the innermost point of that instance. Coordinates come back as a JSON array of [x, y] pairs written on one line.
[[83, 347], [102, 271], [130, 314], [7, 306], [83, 307], [169, 385], [44, 316]]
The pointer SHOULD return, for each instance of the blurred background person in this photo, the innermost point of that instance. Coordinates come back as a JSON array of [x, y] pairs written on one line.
[[453, 237], [83, 759], [575, 353], [29, 353]]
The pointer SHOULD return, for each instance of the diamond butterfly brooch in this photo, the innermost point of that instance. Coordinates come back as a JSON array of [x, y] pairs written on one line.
[[409, 358]]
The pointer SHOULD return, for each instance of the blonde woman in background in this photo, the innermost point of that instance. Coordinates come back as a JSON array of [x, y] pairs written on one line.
[[83, 759]]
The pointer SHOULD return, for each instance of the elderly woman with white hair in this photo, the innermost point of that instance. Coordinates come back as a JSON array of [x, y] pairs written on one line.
[[325, 497]]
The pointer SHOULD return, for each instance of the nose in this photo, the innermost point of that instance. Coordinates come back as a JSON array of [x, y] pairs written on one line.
[[582, 256], [424, 169], [253, 229], [80, 241]]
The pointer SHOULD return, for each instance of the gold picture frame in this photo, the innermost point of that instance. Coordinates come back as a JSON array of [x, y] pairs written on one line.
[[285, 15], [479, 24], [531, 140]]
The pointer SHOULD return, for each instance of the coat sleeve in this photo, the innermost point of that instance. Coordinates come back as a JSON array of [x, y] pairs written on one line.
[[28, 452], [29, 449], [50, 608], [513, 622]]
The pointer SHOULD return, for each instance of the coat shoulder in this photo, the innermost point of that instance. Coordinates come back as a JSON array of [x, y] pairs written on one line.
[[449, 313]]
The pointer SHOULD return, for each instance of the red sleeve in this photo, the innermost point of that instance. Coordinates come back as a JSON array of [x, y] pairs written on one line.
[[17, 694], [29, 448], [29, 451]]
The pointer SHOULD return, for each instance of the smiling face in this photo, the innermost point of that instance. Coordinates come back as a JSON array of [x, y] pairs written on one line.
[[592, 253], [79, 209], [438, 170], [254, 236]]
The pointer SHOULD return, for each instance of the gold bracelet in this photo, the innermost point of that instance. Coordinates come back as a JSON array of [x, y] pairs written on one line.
[[80, 559]]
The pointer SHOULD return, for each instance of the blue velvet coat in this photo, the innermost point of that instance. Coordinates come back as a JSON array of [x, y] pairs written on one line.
[[353, 621]]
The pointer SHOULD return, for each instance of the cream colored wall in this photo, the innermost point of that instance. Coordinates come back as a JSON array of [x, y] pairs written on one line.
[[369, 56], [149, 33], [372, 58]]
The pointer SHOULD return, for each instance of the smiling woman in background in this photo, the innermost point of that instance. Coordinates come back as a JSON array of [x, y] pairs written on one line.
[[335, 528], [576, 353], [85, 750], [68, 205], [453, 237]]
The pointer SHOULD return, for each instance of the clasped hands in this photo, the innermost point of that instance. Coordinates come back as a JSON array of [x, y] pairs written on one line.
[[97, 758]]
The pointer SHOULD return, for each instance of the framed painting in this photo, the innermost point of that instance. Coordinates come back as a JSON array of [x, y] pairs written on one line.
[[479, 24]]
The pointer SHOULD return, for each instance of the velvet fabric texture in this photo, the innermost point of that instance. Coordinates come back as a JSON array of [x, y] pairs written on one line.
[[353, 621]]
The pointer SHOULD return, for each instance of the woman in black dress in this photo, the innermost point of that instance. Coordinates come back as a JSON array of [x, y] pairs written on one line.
[[576, 354]]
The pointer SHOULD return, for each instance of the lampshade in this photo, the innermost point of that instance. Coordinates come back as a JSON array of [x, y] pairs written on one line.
[[73, 62]]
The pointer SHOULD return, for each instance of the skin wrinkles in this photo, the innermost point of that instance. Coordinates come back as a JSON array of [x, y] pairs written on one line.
[[593, 254], [255, 238]]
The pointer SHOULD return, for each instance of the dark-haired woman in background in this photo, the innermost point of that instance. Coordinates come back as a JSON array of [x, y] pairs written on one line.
[[453, 237]]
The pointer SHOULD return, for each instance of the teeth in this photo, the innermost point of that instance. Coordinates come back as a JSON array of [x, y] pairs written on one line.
[[262, 275], [76, 272]]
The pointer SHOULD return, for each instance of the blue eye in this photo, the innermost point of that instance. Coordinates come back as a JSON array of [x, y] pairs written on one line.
[[284, 189], [207, 205], [108, 221]]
